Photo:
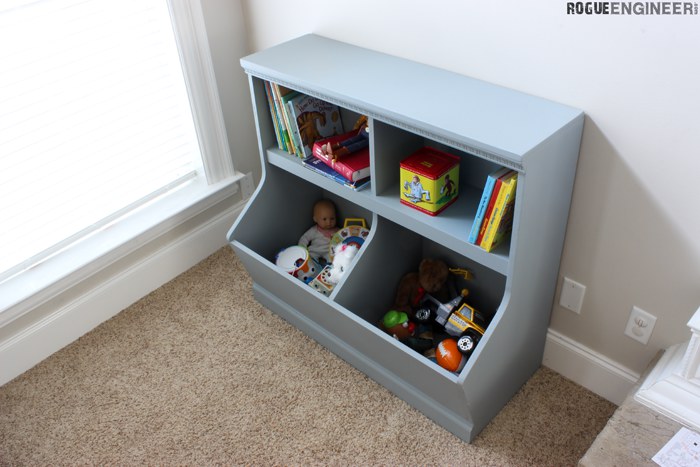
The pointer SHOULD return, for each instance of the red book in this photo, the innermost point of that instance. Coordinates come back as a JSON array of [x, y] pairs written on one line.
[[353, 166]]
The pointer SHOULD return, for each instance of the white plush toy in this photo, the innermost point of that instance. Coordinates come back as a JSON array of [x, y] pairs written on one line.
[[342, 258]]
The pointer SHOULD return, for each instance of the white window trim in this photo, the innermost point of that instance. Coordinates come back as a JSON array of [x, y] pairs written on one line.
[[23, 293], [193, 45]]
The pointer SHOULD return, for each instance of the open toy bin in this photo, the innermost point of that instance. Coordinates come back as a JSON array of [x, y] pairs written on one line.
[[394, 251], [287, 215]]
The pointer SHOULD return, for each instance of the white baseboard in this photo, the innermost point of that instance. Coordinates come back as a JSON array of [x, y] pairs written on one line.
[[588, 368], [22, 351]]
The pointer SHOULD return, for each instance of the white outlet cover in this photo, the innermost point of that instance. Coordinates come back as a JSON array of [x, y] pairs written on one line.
[[571, 296], [640, 325]]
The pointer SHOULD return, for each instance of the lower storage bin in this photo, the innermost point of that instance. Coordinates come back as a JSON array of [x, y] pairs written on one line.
[[282, 212], [370, 291]]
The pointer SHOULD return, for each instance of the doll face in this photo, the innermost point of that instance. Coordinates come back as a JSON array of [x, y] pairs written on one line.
[[324, 215]]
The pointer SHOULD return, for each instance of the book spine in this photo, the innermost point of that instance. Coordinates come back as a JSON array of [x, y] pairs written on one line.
[[285, 128], [489, 210], [296, 136], [331, 174], [498, 208], [481, 210], [273, 114], [506, 223]]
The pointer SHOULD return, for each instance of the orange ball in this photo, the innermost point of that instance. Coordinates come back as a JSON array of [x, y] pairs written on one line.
[[448, 355]]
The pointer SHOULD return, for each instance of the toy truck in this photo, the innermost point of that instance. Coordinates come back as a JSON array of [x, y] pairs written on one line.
[[456, 317]]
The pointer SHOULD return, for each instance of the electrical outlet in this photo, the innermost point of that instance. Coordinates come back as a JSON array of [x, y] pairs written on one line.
[[571, 296], [247, 186], [640, 325]]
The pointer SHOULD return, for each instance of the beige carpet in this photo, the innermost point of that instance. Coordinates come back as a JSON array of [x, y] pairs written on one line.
[[199, 373]]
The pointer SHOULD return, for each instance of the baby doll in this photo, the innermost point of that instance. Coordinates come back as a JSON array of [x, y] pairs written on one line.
[[318, 238]]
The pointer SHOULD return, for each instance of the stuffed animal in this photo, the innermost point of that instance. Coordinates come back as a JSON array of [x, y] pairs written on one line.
[[343, 254], [431, 278]]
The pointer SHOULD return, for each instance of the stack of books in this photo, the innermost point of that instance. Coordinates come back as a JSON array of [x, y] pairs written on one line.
[[494, 216], [351, 170]]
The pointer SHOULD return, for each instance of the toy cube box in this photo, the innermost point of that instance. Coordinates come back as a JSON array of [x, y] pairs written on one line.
[[429, 180]]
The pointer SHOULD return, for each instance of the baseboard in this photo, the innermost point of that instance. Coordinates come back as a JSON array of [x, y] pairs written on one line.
[[588, 368], [123, 288]]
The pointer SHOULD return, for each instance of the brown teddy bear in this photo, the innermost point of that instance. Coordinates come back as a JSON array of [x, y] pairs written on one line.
[[431, 278]]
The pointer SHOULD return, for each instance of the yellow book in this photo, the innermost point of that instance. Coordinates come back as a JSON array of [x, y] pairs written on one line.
[[502, 217]]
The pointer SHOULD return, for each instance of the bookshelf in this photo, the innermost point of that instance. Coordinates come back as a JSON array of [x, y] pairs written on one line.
[[410, 105]]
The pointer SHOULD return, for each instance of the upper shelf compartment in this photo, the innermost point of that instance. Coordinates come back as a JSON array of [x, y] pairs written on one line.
[[483, 119]]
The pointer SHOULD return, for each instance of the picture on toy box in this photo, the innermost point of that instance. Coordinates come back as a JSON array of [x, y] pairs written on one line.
[[429, 180]]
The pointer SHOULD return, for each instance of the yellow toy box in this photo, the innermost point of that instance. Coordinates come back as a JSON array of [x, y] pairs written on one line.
[[429, 180]]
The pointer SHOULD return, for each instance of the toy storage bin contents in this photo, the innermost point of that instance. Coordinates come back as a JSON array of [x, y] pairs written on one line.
[[409, 106]]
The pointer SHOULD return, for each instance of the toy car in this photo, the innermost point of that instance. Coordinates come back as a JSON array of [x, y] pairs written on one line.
[[432, 309], [458, 319]]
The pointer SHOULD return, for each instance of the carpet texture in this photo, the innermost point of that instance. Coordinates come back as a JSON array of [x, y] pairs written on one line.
[[199, 373]]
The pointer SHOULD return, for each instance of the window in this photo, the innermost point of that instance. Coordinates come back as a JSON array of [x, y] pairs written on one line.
[[105, 106]]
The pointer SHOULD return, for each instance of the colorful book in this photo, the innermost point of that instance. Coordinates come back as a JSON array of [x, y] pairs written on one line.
[[484, 202], [285, 98], [506, 198], [314, 119], [279, 92], [320, 167], [489, 208], [273, 114], [353, 166]]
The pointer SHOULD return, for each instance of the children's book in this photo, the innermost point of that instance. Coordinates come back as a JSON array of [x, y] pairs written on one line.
[[484, 202], [273, 114], [314, 119], [294, 137], [489, 208], [320, 167], [353, 166], [502, 216], [279, 92]]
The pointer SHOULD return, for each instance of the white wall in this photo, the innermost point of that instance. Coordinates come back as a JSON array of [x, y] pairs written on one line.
[[633, 236]]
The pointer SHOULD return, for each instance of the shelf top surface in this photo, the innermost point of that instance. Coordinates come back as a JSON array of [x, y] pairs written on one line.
[[466, 110]]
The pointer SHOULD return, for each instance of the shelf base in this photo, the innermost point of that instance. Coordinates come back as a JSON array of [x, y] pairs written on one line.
[[460, 427]]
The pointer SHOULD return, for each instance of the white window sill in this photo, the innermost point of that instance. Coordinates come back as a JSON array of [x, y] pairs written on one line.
[[27, 290]]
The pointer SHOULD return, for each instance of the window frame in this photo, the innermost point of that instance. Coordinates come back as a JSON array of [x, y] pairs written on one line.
[[65, 269]]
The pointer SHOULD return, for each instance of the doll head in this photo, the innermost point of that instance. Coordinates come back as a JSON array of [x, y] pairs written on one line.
[[324, 214]]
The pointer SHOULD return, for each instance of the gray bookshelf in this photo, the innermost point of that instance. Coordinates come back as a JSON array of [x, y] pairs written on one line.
[[410, 105]]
